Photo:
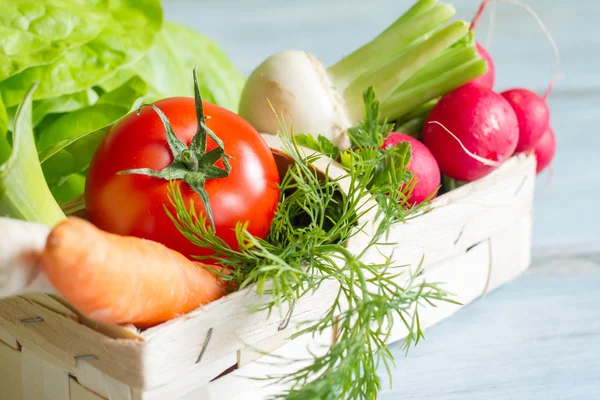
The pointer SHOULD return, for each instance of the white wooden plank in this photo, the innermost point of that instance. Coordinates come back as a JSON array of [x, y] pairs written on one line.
[[78, 392], [55, 382], [11, 384], [100, 383], [187, 382], [252, 353], [465, 276], [7, 338], [32, 372], [509, 253], [117, 390], [240, 384]]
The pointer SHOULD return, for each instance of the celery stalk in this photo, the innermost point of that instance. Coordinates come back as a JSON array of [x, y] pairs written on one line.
[[24, 193], [404, 101], [419, 21], [419, 58], [386, 79]]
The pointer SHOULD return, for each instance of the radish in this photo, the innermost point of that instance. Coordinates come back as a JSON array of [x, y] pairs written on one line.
[[544, 149], [423, 166], [471, 131], [487, 79], [295, 87], [532, 113]]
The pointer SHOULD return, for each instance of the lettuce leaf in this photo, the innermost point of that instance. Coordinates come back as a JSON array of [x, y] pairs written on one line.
[[35, 32], [72, 187], [58, 105], [130, 31], [62, 104], [3, 121], [167, 68], [24, 193], [66, 147]]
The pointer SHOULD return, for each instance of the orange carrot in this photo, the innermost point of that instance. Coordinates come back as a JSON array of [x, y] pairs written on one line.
[[124, 280]]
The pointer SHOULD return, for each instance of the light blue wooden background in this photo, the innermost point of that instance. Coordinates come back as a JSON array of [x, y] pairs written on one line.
[[539, 336]]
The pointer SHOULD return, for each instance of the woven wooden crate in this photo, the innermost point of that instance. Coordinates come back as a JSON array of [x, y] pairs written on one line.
[[474, 239]]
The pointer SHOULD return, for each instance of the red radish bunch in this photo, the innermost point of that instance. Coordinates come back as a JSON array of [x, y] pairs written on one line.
[[473, 129], [423, 166]]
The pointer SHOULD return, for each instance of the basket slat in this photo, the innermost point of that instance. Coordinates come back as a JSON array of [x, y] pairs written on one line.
[[10, 372], [100, 383], [9, 339], [32, 375], [79, 392]]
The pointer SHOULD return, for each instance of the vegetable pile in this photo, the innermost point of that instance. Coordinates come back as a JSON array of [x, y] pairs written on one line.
[[147, 195]]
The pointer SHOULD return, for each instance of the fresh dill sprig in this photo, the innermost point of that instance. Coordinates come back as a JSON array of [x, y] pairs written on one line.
[[306, 247]]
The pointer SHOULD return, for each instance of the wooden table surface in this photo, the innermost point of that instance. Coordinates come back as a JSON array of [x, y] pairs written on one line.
[[539, 336]]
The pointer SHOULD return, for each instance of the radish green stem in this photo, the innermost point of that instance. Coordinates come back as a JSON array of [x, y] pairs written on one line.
[[386, 79], [420, 20]]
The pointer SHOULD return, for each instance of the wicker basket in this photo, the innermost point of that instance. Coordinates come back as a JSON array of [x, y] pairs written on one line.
[[475, 239]]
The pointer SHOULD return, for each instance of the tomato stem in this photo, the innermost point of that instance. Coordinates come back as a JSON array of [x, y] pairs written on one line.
[[191, 164]]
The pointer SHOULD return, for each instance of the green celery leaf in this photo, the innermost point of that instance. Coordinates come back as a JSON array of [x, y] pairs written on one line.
[[132, 28], [37, 32], [168, 65], [67, 145], [24, 193]]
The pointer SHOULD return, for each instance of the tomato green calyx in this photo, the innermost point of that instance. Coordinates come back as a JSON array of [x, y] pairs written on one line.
[[193, 164]]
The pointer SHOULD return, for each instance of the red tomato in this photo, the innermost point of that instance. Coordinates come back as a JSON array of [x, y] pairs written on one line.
[[133, 204]]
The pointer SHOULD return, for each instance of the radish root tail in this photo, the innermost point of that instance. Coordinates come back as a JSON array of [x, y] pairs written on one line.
[[478, 14], [482, 160], [549, 178], [492, 27], [533, 13], [551, 85]]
